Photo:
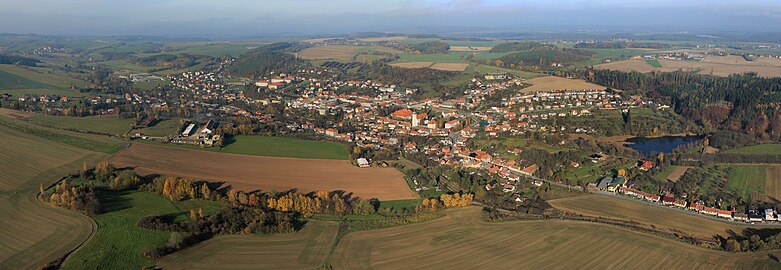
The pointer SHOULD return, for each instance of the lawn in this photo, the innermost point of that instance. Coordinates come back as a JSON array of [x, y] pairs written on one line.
[[761, 149], [745, 180], [101, 124], [654, 63], [399, 204], [284, 147], [119, 243]]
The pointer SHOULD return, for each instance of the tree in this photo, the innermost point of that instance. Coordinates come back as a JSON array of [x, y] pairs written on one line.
[[205, 191]]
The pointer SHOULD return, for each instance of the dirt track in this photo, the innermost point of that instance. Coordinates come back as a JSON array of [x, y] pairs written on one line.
[[266, 173]]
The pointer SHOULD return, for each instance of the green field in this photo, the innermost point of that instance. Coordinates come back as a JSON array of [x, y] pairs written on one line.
[[218, 49], [12, 81], [119, 243], [284, 147], [45, 76], [90, 142], [745, 180], [662, 175], [399, 204], [654, 63], [101, 124], [17, 93], [762, 149]]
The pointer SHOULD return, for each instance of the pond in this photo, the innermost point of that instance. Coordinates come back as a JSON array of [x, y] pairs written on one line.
[[665, 144]]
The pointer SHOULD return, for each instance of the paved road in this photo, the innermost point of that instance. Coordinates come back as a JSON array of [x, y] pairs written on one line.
[[661, 206]]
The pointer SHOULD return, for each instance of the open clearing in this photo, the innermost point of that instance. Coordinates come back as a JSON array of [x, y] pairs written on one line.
[[305, 249], [413, 64], [603, 206], [285, 147], [450, 66], [44, 75], [266, 173], [35, 233], [553, 83], [773, 184], [461, 240], [715, 65], [344, 53]]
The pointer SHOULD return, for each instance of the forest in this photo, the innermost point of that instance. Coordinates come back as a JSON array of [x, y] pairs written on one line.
[[432, 47], [18, 60], [744, 103]]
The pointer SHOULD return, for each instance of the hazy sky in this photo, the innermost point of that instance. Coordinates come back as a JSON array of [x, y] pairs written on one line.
[[295, 17]]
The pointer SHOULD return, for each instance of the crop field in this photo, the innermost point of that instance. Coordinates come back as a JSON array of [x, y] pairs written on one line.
[[461, 240], [654, 63], [97, 143], [552, 83], [44, 75], [773, 183], [118, 242], [469, 48], [603, 206], [218, 49], [747, 180], [413, 64], [342, 53], [761, 149], [15, 114], [714, 67], [248, 172], [450, 66], [101, 124], [305, 249], [35, 233], [12, 81]]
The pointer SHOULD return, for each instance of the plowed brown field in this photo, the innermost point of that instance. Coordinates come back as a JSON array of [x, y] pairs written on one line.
[[266, 173]]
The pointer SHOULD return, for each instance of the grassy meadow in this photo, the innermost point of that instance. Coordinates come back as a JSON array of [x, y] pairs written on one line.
[[761, 149], [101, 124]]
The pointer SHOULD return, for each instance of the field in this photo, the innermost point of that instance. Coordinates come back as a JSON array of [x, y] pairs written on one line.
[[413, 64], [118, 242], [305, 249], [747, 180], [603, 206], [773, 183], [461, 240], [267, 173], [715, 65], [469, 48], [97, 143], [672, 173], [285, 147], [551, 83], [12, 81], [101, 124], [44, 76], [654, 63], [343, 53], [163, 128], [762, 149], [35, 233], [450, 66]]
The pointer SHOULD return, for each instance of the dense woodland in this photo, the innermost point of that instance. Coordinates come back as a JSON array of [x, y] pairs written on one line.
[[431, 47], [18, 60], [174, 61]]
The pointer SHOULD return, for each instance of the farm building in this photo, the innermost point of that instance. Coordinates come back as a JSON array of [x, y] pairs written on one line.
[[363, 163], [189, 130]]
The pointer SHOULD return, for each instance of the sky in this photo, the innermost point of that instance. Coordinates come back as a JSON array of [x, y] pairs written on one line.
[[313, 17]]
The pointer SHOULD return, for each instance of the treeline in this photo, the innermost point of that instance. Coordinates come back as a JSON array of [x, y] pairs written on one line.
[[621, 45], [753, 240], [82, 197], [519, 46], [544, 57], [261, 61], [431, 47], [174, 61], [742, 103], [404, 76], [18, 60]]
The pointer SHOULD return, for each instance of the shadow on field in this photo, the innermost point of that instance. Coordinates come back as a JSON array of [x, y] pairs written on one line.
[[111, 201]]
